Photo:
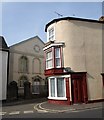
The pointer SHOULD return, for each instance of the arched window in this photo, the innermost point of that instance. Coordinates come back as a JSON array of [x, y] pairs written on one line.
[[22, 80], [23, 64], [36, 84], [36, 65]]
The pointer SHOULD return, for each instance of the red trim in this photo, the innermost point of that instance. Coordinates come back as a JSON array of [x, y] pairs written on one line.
[[54, 62], [61, 56], [61, 102], [85, 89], [79, 87], [67, 90], [54, 71]]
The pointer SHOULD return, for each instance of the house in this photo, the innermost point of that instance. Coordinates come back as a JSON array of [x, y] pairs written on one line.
[[4, 67], [26, 65], [74, 60]]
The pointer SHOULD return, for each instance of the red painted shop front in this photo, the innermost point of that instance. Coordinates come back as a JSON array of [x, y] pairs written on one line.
[[79, 88]]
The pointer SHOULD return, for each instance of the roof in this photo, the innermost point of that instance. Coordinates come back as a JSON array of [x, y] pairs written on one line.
[[72, 18], [27, 41], [3, 44]]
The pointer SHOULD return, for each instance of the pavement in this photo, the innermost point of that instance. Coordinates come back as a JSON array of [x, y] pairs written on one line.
[[42, 105], [48, 107], [22, 101]]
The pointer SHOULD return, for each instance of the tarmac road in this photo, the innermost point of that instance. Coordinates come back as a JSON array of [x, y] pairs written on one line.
[[42, 109], [90, 113]]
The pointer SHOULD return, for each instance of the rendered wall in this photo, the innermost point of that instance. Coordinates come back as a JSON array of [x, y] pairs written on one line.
[[83, 51], [3, 74]]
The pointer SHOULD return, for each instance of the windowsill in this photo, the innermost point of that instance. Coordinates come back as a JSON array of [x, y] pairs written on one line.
[[58, 98]]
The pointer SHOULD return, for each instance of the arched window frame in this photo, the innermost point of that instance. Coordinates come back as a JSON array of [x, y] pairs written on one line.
[[33, 66], [37, 80], [22, 67]]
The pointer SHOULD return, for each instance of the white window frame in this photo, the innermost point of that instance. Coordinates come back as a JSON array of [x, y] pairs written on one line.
[[58, 57], [49, 59], [52, 37], [56, 97]]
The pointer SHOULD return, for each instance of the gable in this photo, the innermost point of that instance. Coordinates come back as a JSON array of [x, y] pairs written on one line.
[[33, 45]]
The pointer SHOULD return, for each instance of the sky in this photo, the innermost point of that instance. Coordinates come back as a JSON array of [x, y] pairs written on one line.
[[23, 20]]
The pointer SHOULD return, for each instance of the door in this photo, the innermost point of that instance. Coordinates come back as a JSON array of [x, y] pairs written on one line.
[[77, 91], [79, 87]]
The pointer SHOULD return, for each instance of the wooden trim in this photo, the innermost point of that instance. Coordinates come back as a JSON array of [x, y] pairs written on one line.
[[75, 92], [54, 71], [67, 90]]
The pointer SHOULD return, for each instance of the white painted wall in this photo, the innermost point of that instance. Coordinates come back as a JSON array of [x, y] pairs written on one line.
[[3, 74]]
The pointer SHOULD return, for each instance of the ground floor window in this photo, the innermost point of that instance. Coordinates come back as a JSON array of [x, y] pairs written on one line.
[[35, 87], [57, 87]]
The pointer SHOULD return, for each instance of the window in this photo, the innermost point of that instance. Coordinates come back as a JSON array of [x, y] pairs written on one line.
[[36, 66], [22, 80], [52, 87], [35, 88], [60, 87], [23, 64], [49, 60], [57, 57], [57, 88], [51, 34], [53, 58]]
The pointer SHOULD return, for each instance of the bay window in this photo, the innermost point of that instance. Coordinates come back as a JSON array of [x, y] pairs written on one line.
[[49, 60], [57, 88], [53, 58]]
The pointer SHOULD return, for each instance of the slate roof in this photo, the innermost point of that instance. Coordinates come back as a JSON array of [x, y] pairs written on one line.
[[72, 18]]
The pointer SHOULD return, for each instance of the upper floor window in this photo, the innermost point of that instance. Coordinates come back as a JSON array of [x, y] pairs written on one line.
[[23, 64], [57, 57], [51, 34], [49, 59], [54, 58]]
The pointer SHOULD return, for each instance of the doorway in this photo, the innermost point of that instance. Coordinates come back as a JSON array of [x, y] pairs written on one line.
[[79, 88]]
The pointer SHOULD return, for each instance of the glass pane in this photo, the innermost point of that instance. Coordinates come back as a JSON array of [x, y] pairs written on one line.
[[51, 34], [49, 55], [52, 87], [57, 52], [49, 64], [60, 87], [57, 62]]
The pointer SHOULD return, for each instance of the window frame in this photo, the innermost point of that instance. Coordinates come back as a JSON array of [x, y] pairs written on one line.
[[49, 59], [56, 96], [23, 66], [51, 37], [55, 57]]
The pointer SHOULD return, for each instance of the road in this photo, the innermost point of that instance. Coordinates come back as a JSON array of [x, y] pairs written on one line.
[[28, 111]]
